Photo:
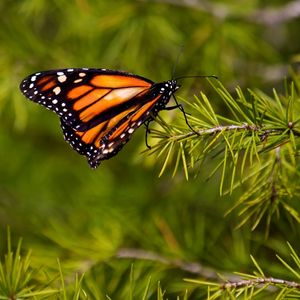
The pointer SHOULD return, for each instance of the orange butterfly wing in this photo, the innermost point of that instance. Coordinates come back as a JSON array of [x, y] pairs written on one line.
[[99, 109]]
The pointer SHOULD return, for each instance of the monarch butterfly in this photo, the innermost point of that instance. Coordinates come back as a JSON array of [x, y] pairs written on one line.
[[99, 109]]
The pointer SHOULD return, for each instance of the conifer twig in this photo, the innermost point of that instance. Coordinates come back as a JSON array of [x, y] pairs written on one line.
[[263, 132], [191, 267], [233, 282], [272, 16], [217, 129], [259, 281], [267, 16]]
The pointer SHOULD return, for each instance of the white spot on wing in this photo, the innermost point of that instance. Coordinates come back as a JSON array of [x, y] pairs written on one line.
[[62, 78], [56, 90]]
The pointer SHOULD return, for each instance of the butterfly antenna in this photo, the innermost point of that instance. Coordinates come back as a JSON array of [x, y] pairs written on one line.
[[177, 60]]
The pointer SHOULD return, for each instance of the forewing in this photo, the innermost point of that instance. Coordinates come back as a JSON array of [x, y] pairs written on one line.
[[85, 98]]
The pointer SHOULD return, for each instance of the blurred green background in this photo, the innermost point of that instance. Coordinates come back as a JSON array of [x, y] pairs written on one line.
[[62, 208]]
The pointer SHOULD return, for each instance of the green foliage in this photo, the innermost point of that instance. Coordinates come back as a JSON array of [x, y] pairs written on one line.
[[254, 143], [17, 277], [120, 232], [258, 285]]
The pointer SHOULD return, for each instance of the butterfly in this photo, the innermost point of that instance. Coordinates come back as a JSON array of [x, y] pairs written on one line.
[[99, 109]]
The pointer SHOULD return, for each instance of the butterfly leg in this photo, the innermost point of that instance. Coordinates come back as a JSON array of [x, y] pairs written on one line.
[[146, 123], [180, 107]]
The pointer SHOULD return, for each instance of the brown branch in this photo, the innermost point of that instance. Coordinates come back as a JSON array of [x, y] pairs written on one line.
[[190, 267], [219, 11], [260, 281], [234, 281], [218, 129], [263, 133], [272, 16], [268, 16]]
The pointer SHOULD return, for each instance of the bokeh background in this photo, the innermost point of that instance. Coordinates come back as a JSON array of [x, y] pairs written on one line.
[[88, 218]]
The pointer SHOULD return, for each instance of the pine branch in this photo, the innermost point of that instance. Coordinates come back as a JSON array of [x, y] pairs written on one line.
[[234, 284], [256, 285], [255, 143], [262, 132], [267, 16], [190, 267], [272, 16], [257, 126], [260, 281]]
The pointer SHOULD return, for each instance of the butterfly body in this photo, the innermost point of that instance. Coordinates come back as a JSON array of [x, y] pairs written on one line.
[[99, 109]]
